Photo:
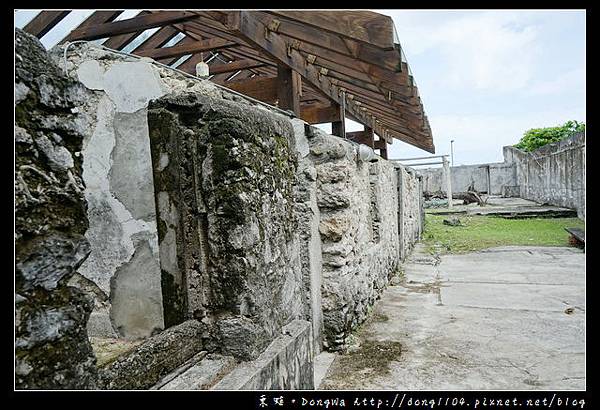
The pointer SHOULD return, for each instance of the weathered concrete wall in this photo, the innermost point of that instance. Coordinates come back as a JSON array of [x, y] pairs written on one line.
[[492, 178], [553, 174], [310, 245], [123, 269], [287, 364], [52, 350], [157, 356]]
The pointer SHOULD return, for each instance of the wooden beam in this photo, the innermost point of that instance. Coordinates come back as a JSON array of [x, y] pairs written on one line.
[[365, 137], [118, 42], [191, 48], [98, 17], [192, 29], [319, 115], [379, 144], [393, 96], [263, 89], [135, 24], [289, 86], [235, 65], [202, 27], [44, 22], [365, 26], [158, 39], [168, 60]]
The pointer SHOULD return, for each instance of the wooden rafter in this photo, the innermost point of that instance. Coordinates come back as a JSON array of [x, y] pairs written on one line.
[[233, 66], [365, 26], [253, 31], [190, 48], [158, 39], [98, 17], [135, 24], [334, 54], [320, 64], [44, 22]]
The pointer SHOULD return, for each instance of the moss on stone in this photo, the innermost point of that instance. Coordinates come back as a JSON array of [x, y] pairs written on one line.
[[173, 300]]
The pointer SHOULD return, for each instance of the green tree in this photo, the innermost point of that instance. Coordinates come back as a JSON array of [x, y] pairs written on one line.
[[538, 137]]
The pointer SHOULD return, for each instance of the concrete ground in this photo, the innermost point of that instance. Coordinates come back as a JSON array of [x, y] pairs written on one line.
[[497, 205], [503, 318]]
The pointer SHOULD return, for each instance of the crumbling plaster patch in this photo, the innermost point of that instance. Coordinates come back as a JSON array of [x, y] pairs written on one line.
[[120, 194]]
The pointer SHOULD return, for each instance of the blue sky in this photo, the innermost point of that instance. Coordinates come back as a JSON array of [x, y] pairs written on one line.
[[485, 76]]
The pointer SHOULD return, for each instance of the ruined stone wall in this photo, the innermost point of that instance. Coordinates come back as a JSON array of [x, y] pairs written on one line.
[[124, 269], [224, 176], [553, 174], [52, 350], [357, 205], [410, 216], [205, 206]]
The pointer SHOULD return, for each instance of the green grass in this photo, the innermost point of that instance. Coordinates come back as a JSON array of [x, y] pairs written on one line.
[[480, 232]]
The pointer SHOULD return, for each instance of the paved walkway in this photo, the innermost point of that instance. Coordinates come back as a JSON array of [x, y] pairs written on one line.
[[503, 318]]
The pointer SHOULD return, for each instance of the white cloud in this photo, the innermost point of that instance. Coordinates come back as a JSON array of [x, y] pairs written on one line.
[[570, 80], [481, 50]]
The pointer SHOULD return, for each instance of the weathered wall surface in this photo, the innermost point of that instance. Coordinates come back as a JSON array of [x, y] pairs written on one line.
[[553, 174], [491, 178], [287, 364], [123, 269], [52, 350], [358, 225], [310, 245], [410, 207], [224, 176], [206, 206]]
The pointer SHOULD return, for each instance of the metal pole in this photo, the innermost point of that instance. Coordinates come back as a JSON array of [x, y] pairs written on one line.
[[448, 182], [452, 151]]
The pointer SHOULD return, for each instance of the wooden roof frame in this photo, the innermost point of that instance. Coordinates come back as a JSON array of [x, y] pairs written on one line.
[[323, 65]]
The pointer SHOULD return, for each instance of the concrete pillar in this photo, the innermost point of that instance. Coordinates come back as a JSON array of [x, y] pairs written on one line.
[[448, 179], [401, 238]]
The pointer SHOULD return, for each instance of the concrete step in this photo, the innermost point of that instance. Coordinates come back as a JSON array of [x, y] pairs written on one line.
[[199, 374]]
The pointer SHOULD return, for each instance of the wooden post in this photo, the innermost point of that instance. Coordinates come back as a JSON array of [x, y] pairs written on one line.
[[339, 127], [288, 89], [370, 136], [383, 149], [448, 178]]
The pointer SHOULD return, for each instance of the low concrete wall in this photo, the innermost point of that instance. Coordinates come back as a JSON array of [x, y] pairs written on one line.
[[553, 174], [492, 178], [286, 364]]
